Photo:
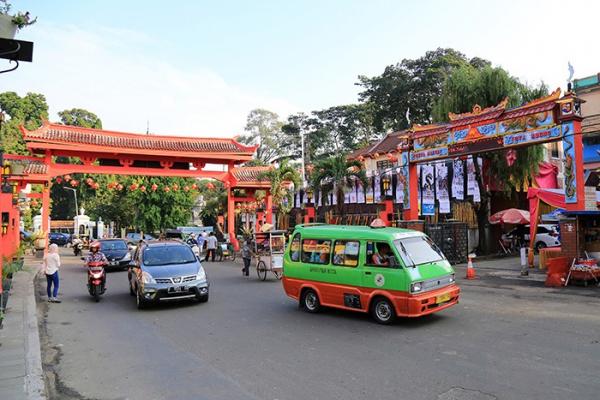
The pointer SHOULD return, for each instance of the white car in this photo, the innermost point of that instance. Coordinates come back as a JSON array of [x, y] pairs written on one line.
[[547, 236]]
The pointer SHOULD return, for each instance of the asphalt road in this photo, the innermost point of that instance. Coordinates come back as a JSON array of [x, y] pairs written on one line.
[[251, 342]]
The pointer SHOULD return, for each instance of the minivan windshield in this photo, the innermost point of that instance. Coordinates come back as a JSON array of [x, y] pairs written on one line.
[[113, 245], [418, 250], [168, 255]]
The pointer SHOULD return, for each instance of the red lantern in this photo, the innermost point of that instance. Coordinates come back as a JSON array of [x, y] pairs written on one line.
[[175, 187], [167, 189], [119, 187], [96, 186], [89, 181], [392, 158], [133, 186], [74, 183], [154, 187], [34, 203], [511, 157], [59, 180], [67, 178], [142, 188], [194, 186], [186, 188], [210, 186]]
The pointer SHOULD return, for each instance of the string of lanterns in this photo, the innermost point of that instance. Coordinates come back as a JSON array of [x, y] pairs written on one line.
[[115, 185]]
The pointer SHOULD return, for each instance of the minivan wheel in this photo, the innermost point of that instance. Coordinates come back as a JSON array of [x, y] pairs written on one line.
[[310, 301], [382, 311]]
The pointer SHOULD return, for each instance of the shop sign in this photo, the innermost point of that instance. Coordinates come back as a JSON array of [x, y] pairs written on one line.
[[429, 154], [476, 146], [527, 137]]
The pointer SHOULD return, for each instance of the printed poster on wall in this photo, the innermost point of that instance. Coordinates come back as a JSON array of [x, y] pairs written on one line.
[[428, 188], [377, 196], [347, 196], [319, 199], [399, 197], [442, 188], [458, 180], [334, 195], [297, 199], [360, 192], [471, 183], [369, 195], [353, 192]]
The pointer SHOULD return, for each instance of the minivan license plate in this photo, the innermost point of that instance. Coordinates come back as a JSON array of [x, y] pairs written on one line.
[[443, 298]]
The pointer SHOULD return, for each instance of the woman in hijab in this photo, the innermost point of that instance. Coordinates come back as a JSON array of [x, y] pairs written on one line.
[[51, 266]]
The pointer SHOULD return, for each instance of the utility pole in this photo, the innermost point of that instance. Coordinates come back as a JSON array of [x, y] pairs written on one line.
[[74, 194]]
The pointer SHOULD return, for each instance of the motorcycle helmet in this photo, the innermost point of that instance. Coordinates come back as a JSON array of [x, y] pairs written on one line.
[[95, 245]]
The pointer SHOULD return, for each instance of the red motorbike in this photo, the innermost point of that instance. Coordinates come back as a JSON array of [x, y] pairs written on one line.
[[96, 279]]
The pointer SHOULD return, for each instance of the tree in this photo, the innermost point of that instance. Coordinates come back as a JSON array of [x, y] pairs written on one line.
[[280, 178], [488, 86], [337, 172], [411, 85], [30, 111], [264, 129], [80, 117], [215, 201]]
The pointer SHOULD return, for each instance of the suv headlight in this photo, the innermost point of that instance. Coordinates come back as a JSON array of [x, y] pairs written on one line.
[[201, 275], [147, 278], [416, 287], [127, 256]]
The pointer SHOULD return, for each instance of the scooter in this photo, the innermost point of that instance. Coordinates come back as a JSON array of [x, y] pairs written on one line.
[[78, 248], [96, 279]]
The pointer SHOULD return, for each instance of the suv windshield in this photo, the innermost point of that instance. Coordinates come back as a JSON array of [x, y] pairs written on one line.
[[418, 250], [167, 255], [113, 245]]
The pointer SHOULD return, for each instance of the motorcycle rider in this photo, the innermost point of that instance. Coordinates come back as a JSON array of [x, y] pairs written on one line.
[[77, 245], [95, 255]]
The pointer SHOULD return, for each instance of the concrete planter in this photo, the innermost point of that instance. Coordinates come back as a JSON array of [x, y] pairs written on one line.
[[8, 30]]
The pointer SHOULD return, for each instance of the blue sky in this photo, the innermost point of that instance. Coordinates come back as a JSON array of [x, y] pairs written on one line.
[[199, 67]]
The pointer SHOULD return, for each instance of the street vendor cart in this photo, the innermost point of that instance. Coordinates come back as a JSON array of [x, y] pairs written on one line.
[[268, 253]]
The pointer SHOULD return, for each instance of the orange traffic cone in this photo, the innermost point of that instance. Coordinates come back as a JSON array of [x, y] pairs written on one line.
[[470, 269]]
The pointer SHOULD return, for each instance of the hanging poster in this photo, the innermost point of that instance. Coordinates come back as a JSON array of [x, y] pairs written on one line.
[[377, 196], [428, 188], [297, 199], [442, 188], [399, 198], [347, 196], [470, 177], [353, 191], [369, 196], [334, 195], [458, 180], [360, 192], [404, 178], [319, 200]]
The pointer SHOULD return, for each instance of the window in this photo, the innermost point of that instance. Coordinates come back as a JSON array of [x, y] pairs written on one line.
[[383, 165], [168, 255], [553, 149], [295, 248], [345, 253], [315, 251], [378, 254], [418, 250]]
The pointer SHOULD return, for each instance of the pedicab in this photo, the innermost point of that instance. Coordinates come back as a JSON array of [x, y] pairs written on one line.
[[268, 253]]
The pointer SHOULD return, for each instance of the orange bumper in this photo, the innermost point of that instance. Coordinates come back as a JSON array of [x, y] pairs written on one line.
[[427, 303]]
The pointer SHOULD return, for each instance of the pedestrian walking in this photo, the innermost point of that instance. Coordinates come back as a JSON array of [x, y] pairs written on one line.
[[211, 247], [247, 257], [51, 265]]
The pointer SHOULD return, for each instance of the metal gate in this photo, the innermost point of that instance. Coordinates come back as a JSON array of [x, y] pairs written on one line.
[[452, 238]]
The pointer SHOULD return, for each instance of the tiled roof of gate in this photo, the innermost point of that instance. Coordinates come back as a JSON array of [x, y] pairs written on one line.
[[249, 174], [109, 141], [36, 168]]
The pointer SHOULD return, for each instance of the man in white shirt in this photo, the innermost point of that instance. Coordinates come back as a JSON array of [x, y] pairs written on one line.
[[211, 246]]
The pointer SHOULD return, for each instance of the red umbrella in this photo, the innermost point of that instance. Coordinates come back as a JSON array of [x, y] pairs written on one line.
[[510, 216]]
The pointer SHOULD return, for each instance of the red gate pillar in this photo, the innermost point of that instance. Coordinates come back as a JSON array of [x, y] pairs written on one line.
[[387, 214], [260, 218], [309, 217], [231, 220], [412, 213], [46, 213], [269, 208]]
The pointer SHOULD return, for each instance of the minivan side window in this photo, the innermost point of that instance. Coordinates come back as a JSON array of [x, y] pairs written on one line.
[[316, 251], [295, 248], [378, 254], [345, 253]]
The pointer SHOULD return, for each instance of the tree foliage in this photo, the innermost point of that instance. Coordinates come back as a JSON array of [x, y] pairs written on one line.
[[263, 128], [30, 111], [80, 117], [280, 177]]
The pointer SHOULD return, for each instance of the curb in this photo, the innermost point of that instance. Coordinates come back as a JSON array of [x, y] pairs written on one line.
[[35, 386]]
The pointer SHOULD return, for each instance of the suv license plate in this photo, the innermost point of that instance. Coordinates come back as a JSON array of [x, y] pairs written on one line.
[[177, 289]]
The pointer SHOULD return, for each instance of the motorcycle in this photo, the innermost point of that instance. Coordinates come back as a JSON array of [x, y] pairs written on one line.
[[77, 248], [96, 279]]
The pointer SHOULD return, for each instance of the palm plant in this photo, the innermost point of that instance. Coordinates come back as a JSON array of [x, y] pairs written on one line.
[[280, 179], [337, 172]]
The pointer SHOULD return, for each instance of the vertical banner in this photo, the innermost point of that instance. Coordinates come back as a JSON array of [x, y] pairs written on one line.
[[470, 177], [319, 200], [369, 195], [399, 197], [428, 188], [297, 199], [443, 195], [404, 178], [458, 180], [360, 192], [347, 196], [570, 169], [353, 191], [377, 196], [334, 195]]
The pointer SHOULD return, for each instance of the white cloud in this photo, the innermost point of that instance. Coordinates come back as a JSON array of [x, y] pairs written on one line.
[[100, 70]]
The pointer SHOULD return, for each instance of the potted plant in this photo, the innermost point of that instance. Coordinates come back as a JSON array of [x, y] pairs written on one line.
[[10, 24]]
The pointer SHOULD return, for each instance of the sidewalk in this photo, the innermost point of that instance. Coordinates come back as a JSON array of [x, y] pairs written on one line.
[[21, 375]]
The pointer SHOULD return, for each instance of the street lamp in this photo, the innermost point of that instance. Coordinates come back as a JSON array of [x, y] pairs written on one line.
[[386, 183], [74, 194], [309, 195]]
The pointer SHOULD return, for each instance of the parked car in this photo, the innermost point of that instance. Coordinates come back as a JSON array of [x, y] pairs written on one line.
[[547, 236], [117, 253], [166, 270], [58, 238], [135, 237]]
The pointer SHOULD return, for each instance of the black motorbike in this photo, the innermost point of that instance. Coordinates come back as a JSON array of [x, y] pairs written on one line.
[[77, 248]]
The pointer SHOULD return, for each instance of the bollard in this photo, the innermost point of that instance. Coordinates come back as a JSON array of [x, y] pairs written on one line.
[[524, 262]]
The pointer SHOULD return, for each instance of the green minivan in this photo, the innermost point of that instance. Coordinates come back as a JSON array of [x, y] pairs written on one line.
[[387, 272]]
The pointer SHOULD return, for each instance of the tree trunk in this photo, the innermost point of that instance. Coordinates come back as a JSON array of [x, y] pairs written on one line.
[[482, 210]]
